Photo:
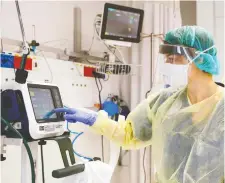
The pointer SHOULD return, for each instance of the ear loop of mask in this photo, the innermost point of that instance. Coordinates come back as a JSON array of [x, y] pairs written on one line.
[[197, 52], [188, 57], [189, 63]]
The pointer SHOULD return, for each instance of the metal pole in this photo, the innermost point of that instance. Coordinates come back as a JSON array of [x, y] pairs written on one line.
[[77, 30], [151, 62], [34, 34], [20, 21]]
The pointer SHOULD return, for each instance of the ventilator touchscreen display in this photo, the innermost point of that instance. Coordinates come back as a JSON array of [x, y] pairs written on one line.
[[42, 102]]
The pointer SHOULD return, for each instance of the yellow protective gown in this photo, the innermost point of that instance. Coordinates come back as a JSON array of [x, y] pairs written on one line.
[[187, 140]]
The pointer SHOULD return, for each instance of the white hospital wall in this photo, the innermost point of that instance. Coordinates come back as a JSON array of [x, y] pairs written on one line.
[[210, 15], [54, 21]]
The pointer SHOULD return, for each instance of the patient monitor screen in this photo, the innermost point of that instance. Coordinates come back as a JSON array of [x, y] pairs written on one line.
[[122, 23], [42, 102]]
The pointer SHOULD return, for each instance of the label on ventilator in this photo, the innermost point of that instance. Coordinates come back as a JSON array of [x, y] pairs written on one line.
[[50, 128]]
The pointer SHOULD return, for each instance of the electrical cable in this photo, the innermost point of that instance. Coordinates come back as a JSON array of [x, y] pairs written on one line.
[[144, 164], [57, 40], [62, 43], [153, 70], [100, 101], [42, 164], [112, 52], [99, 91], [100, 84], [46, 42], [102, 144], [146, 95], [102, 138], [123, 60], [26, 146], [90, 61], [93, 36], [49, 68], [107, 45], [91, 42]]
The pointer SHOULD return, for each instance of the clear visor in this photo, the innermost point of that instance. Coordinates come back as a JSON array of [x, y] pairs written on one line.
[[172, 64], [175, 54], [173, 59]]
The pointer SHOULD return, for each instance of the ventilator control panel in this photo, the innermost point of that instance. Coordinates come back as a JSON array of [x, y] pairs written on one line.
[[45, 98]]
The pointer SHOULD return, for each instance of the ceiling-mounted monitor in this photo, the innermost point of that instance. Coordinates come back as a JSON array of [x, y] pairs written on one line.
[[121, 24]]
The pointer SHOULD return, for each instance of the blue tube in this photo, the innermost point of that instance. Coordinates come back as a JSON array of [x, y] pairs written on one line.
[[47, 116], [73, 142], [77, 135], [77, 154], [67, 127]]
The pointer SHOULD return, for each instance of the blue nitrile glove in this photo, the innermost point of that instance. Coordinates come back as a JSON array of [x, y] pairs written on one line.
[[85, 116]]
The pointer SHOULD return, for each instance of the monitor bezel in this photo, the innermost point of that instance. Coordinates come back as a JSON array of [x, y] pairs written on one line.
[[119, 38], [58, 116]]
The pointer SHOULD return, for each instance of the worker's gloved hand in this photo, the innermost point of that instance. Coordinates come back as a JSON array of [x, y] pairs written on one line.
[[85, 116]]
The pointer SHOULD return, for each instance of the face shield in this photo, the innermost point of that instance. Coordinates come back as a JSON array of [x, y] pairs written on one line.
[[172, 65]]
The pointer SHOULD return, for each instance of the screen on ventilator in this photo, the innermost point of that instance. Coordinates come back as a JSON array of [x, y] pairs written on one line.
[[42, 102], [122, 23]]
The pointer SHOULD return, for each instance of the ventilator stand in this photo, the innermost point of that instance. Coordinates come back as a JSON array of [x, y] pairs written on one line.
[[64, 144]]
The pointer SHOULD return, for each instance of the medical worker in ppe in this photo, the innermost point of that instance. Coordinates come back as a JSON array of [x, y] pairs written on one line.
[[185, 124]]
